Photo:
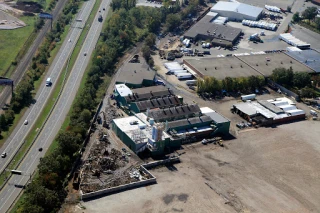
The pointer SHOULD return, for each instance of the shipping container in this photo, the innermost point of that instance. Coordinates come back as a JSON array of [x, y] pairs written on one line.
[[248, 97]]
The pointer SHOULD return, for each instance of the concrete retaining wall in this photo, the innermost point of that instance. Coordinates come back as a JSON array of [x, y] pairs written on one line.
[[125, 187]]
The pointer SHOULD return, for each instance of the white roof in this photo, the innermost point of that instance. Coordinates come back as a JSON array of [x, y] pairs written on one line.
[[205, 110], [173, 66], [287, 107], [237, 7], [123, 90], [296, 112], [279, 103]]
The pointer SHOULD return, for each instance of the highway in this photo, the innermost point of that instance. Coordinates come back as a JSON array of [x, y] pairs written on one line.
[[53, 125], [18, 135], [24, 63]]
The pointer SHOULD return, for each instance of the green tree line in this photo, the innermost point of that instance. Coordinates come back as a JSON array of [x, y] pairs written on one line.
[[47, 192], [211, 84]]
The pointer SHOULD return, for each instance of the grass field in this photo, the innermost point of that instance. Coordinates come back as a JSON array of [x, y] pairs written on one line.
[[12, 41]]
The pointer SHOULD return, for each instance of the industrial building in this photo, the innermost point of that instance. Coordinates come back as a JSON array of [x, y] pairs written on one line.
[[268, 112], [157, 102], [236, 11], [142, 132], [124, 95], [136, 75], [244, 65], [218, 34]]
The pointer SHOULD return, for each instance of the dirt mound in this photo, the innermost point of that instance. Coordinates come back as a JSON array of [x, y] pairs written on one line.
[[31, 7]]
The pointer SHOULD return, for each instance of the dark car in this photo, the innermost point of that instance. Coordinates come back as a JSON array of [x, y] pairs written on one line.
[[40, 149]]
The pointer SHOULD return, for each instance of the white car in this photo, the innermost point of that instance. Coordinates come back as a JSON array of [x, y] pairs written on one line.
[[69, 40], [25, 122], [4, 154]]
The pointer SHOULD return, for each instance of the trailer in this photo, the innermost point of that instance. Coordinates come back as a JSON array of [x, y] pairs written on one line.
[[183, 76], [248, 97]]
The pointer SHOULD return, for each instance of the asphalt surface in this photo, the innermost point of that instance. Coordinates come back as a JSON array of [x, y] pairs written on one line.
[[24, 63], [18, 135], [12, 190]]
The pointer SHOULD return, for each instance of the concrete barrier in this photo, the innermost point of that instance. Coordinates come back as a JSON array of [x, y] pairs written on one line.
[[120, 188], [129, 186]]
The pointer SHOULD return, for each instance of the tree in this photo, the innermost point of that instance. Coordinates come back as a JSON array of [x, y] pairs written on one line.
[[69, 142], [173, 21], [146, 52], [85, 116], [282, 76], [310, 13], [301, 79], [150, 39], [3, 122], [296, 17]]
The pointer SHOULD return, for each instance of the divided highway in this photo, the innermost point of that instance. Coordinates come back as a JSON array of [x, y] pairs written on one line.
[[10, 192], [17, 137]]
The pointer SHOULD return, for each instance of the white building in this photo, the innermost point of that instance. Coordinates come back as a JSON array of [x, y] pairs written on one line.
[[236, 11]]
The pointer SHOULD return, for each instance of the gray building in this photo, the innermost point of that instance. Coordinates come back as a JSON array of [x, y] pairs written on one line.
[[219, 35], [236, 11]]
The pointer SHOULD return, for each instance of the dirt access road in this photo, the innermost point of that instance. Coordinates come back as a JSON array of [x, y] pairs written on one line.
[[263, 170]]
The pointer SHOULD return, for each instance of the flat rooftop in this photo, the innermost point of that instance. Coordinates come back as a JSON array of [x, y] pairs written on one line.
[[190, 121], [220, 68], [135, 73], [310, 58], [276, 60], [245, 66]]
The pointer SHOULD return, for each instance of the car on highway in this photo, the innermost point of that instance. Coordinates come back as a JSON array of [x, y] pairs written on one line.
[[4, 154], [85, 54], [25, 122], [40, 149], [48, 82], [104, 8], [69, 40]]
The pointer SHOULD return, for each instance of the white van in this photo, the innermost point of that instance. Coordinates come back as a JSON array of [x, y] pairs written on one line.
[[48, 82]]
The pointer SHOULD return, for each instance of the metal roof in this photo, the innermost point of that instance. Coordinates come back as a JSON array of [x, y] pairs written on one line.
[[217, 117], [190, 121], [310, 58], [148, 92], [158, 103], [270, 106], [173, 112], [237, 7]]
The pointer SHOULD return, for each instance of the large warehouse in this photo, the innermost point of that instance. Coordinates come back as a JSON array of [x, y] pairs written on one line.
[[236, 11], [244, 66]]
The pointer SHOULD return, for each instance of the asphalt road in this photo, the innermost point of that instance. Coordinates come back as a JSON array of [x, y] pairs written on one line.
[[11, 191], [24, 63], [18, 135]]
